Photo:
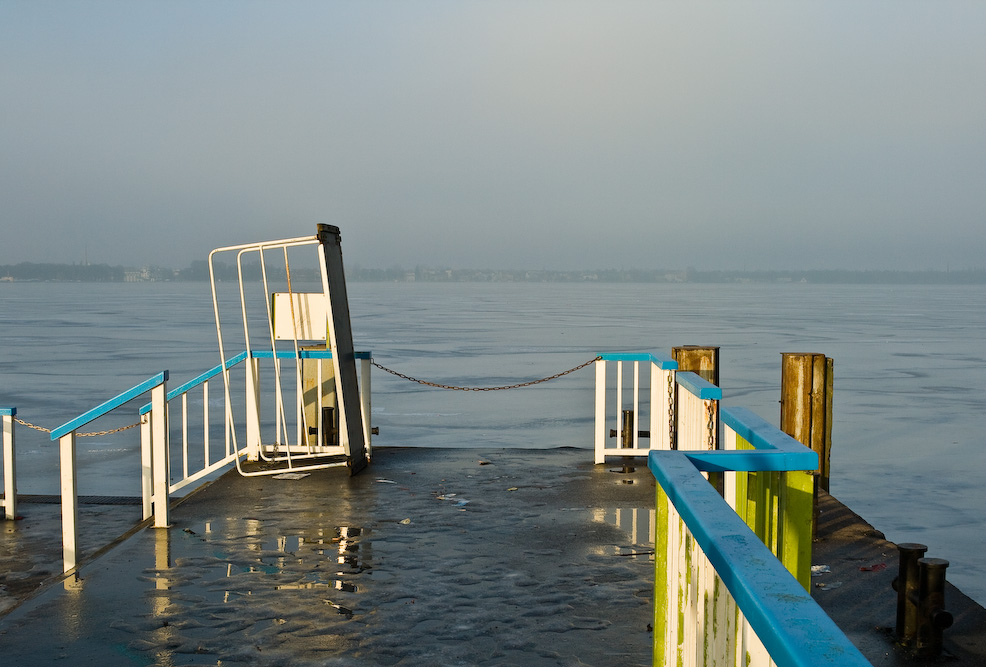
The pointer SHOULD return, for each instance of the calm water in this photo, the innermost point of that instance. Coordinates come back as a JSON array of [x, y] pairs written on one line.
[[910, 363]]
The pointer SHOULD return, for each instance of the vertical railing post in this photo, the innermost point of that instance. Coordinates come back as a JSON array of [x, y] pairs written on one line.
[[146, 465], [599, 438], [161, 463], [70, 501], [206, 456], [9, 464], [252, 408], [365, 399], [656, 429]]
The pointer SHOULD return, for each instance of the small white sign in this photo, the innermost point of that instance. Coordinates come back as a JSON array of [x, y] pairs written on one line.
[[309, 321]]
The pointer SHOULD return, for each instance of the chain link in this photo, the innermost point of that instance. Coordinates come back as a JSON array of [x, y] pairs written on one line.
[[671, 411], [508, 386], [710, 409], [81, 435]]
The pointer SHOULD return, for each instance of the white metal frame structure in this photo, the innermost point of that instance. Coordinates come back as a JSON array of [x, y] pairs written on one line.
[[286, 451]]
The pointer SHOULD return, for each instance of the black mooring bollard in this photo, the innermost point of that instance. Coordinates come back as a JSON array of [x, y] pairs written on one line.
[[921, 614], [906, 585], [932, 617], [626, 439]]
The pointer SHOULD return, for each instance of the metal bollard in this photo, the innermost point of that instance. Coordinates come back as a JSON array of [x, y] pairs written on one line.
[[626, 438], [921, 614], [906, 585], [932, 617]]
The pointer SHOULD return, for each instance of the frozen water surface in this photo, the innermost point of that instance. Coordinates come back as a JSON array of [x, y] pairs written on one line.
[[910, 383]]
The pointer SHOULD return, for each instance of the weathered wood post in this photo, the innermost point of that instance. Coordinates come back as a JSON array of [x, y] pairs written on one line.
[[698, 359], [806, 405]]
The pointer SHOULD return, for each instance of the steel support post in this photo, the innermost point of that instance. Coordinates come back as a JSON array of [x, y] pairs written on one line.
[[9, 464], [70, 501]]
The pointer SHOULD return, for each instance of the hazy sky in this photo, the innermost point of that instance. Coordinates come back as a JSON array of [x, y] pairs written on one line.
[[498, 134]]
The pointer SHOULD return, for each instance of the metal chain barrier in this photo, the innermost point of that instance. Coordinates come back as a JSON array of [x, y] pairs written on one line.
[[710, 409], [81, 435], [383, 368], [509, 386], [671, 412]]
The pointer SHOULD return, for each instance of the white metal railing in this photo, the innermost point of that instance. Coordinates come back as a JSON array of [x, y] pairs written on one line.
[[320, 316], [168, 463], [658, 410], [680, 408], [9, 463], [155, 446], [66, 437]]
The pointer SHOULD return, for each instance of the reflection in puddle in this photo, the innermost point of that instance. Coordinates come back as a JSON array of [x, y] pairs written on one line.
[[638, 523], [322, 559], [347, 550]]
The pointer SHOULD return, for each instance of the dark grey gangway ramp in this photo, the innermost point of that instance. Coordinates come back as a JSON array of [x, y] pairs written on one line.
[[320, 415], [340, 333]]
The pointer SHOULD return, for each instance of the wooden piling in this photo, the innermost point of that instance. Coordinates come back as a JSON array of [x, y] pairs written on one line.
[[699, 359], [806, 405]]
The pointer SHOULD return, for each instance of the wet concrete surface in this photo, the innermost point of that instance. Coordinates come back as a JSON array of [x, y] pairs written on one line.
[[31, 545], [431, 556]]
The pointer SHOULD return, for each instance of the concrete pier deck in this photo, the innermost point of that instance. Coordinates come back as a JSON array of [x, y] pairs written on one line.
[[431, 556]]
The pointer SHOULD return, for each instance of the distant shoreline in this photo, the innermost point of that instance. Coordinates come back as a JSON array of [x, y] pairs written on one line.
[[103, 273]]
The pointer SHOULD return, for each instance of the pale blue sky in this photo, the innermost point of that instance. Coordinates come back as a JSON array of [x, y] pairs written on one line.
[[571, 134]]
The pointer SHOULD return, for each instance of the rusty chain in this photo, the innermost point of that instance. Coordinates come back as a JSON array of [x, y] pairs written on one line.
[[671, 412], [81, 435], [509, 386], [710, 409]]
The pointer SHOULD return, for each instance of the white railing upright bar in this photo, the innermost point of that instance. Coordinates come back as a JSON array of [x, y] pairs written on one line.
[[9, 464], [160, 457], [70, 501]]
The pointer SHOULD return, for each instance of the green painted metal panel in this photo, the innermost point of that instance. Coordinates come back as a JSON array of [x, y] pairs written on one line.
[[798, 510], [778, 506], [662, 609]]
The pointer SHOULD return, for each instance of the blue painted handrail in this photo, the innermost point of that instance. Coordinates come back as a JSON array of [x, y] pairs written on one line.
[[793, 628], [239, 358], [8, 412], [205, 377], [662, 362], [698, 387], [196, 381], [773, 450], [109, 405]]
